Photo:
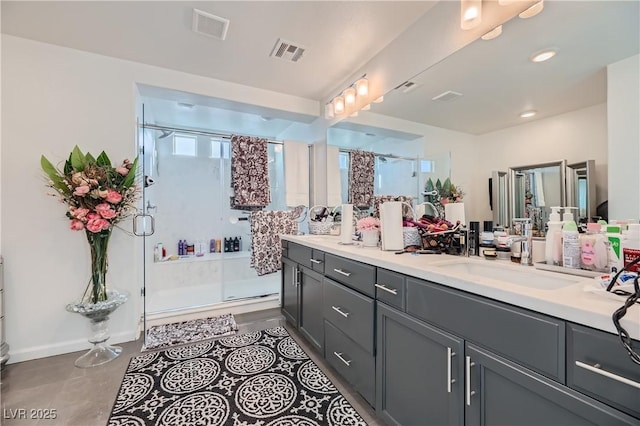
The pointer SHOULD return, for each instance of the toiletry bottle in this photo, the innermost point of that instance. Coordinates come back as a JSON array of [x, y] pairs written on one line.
[[212, 246], [570, 245], [593, 249], [552, 240], [160, 251], [179, 247], [218, 245], [631, 246], [236, 244], [156, 256], [615, 253], [240, 243]]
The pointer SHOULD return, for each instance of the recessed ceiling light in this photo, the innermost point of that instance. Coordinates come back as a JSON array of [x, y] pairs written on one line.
[[528, 114], [185, 105], [493, 33], [543, 55], [533, 10]]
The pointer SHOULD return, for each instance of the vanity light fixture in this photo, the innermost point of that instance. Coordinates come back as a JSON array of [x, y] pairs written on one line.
[[338, 105], [349, 96], [493, 33], [528, 114], [362, 87], [328, 111], [543, 55], [347, 99], [533, 10], [470, 13]]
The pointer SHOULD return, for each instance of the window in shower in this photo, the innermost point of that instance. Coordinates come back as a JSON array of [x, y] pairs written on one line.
[[185, 145]]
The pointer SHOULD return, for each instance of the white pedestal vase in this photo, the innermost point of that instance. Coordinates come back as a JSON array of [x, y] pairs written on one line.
[[370, 238]]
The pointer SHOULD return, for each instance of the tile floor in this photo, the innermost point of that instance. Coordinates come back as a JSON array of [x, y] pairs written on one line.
[[84, 397]]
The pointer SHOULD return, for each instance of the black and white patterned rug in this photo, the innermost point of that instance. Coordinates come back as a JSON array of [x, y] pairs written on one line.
[[180, 333], [261, 378]]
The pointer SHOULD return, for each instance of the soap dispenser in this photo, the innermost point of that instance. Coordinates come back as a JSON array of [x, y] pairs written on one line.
[[570, 241], [553, 240]]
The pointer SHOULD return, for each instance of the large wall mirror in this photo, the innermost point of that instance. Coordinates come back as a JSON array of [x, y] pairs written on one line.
[[468, 102]]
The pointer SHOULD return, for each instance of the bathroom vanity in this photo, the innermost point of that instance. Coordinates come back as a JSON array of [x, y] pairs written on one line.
[[438, 339]]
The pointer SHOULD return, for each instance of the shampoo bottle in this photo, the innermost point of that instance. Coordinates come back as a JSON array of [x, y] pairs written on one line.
[[552, 247], [615, 254], [570, 243], [593, 249]]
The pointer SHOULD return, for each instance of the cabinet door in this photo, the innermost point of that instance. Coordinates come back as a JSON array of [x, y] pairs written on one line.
[[419, 372], [311, 320], [289, 291], [499, 392]]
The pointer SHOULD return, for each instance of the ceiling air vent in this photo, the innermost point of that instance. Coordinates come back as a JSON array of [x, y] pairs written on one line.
[[210, 25], [408, 86], [447, 96], [287, 50]]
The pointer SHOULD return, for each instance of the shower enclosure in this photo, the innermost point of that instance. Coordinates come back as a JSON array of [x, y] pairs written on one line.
[[187, 190]]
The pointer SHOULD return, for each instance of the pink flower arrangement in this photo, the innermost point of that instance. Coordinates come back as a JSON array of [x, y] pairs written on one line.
[[368, 224], [98, 196]]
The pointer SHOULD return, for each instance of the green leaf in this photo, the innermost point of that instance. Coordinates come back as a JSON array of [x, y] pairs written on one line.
[[68, 168], [103, 159], [438, 185], [447, 184], [128, 180], [429, 186], [53, 174], [78, 160], [89, 159]]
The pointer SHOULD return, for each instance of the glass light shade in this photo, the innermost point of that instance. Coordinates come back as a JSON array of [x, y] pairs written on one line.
[[533, 10], [493, 33], [362, 87], [328, 111], [338, 105], [470, 13], [349, 96]]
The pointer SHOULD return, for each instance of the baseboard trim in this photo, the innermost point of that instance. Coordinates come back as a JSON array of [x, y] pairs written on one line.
[[44, 351]]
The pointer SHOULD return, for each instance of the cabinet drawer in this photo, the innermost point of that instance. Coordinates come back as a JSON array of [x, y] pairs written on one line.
[[534, 340], [350, 312], [390, 288], [317, 261], [351, 362], [356, 275], [300, 254], [591, 356]]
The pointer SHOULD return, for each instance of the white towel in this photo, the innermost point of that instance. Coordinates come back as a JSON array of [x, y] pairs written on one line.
[[334, 185], [296, 173], [539, 190]]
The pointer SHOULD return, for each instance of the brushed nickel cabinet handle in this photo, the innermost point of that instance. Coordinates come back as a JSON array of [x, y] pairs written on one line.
[[598, 370], [387, 289], [469, 393], [341, 272], [339, 355], [316, 261], [340, 311]]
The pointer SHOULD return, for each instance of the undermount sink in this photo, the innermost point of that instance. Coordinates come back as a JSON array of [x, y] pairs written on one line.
[[513, 275]]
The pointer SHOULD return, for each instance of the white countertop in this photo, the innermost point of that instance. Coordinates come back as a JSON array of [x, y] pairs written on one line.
[[571, 302]]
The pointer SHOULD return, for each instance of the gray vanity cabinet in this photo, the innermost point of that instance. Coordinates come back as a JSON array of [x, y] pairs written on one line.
[[419, 372], [289, 299], [301, 296], [311, 323], [500, 392]]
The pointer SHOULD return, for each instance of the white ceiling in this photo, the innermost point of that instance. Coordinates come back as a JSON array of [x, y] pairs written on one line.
[[498, 81], [340, 36]]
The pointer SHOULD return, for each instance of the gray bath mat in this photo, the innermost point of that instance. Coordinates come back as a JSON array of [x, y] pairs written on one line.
[[180, 333]]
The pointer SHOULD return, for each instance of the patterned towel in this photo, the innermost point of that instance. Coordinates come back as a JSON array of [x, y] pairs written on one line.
[[361, 174], [249, 172], [379, 199], [266, 228]]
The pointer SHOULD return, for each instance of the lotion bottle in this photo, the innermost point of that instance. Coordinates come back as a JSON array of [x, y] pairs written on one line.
[[570, 241], [631, 246], [615, 251], [552, 247]]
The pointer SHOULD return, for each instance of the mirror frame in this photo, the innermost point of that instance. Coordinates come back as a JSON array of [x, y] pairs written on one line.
[[562, 164], [500, 198], [589, 167]]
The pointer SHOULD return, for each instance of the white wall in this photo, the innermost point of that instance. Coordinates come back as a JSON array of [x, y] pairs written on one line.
[[623, 110], [54, 98]]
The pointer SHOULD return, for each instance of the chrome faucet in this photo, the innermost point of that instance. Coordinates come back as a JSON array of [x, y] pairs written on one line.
[[526, 239]]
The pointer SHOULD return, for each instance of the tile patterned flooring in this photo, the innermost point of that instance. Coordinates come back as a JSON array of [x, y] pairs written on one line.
[[84, 397]]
